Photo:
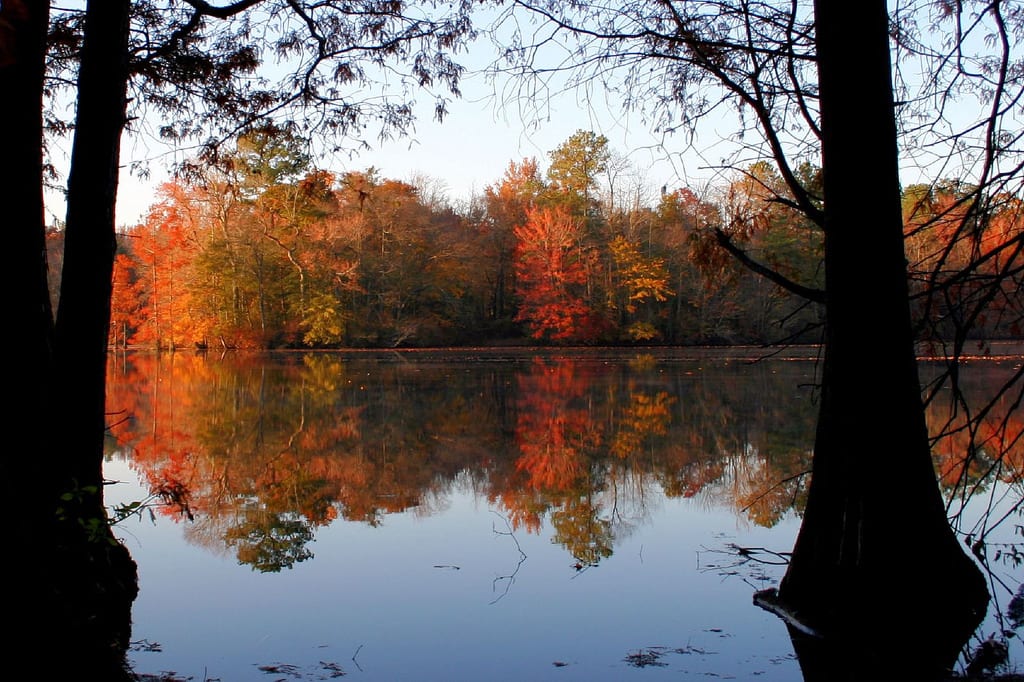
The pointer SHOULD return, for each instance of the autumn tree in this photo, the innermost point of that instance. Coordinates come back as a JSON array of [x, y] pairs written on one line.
[[280, 195], [641, 283], [125, 308], [506, 204], [551, 277], [702, 276], [164, 249], [772, 244], [963, 248], [412, 260]]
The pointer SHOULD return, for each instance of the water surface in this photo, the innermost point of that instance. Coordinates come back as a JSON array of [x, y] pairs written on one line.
[[505, 516]]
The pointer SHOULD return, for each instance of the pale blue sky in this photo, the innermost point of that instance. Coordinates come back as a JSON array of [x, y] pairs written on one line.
[[472, 147]]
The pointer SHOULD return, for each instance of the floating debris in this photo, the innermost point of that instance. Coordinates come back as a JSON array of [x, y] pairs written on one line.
[[333, 669], [647, 657], [145, 645]]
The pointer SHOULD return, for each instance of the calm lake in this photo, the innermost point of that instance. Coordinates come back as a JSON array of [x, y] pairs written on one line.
[[490, 515]]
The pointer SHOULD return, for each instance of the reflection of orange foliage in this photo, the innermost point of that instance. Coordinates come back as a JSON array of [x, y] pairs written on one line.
[[306, 441], [689, 480], [525, 507], [552, 434], [766, 507], [551, 466], [645, 417], [154, 421], [995, 445]]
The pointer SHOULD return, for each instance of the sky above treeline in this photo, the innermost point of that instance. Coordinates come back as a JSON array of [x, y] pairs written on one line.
[[469, 150], [483, 132], [493, 124]]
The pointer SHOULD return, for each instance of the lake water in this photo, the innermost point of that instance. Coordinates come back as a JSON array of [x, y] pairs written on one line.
[[570, 515]]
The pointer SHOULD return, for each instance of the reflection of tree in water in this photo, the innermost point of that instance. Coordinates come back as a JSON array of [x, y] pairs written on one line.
[[266, 451], [269, 542], [581, 530]]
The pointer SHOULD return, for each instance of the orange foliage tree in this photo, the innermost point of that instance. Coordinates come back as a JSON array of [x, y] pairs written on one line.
[[125, 301], [966, 252], [506, 205], [551, 272], [163, 249]]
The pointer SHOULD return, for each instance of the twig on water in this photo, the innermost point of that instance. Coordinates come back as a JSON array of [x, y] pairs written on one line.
[[752, 560], [509, 579], [358, 648]]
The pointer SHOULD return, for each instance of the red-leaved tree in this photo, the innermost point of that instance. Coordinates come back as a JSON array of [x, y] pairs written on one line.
[[551, 278]]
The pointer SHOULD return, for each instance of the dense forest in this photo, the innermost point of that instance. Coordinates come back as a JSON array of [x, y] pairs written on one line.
[[266, 250]]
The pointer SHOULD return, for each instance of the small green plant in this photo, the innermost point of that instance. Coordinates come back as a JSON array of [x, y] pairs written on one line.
[[96, 528], [69, 510]]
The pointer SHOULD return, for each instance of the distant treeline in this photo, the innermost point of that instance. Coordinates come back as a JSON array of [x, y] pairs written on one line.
[[261, 249]]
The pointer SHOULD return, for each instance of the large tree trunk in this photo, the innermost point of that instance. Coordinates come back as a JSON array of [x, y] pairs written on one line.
[[94, 576], [876, 568], [22, 54], [23, 26], [73, 587]]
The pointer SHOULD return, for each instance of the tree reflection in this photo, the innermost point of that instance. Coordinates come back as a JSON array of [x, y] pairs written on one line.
[[269, 542], [262, 452], [581, 528]]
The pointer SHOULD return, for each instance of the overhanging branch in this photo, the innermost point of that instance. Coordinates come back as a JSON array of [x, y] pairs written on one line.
[[816, 295]]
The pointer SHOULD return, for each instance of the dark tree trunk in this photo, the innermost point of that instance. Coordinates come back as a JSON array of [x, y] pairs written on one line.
[[875, 558], [83, 316], [23, 26], [72, 589], [93, 577]]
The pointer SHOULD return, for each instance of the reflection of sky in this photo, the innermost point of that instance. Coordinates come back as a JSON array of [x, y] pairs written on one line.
[[378, 594]]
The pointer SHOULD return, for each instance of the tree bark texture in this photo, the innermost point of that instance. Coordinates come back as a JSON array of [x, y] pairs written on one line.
[[23, 27]]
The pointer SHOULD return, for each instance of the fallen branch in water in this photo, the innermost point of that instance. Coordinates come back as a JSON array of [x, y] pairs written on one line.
[[769, 601]]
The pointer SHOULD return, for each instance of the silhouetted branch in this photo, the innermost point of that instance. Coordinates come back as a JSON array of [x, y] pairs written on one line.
[[777, 485], [816, 295]]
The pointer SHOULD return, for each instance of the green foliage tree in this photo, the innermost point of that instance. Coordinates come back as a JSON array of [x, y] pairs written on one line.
[[576, 165]]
